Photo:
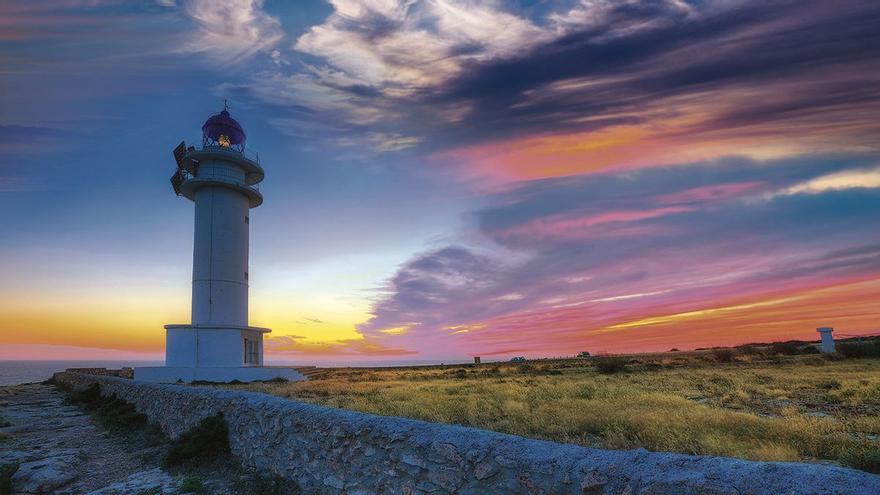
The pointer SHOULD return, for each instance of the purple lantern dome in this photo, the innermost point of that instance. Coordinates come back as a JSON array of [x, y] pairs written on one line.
[[223, 131]]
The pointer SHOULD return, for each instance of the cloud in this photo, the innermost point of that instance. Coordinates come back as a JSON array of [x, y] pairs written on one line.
[[232, 31], [562, 260], [513, 93], [849, 179], [293, 344]]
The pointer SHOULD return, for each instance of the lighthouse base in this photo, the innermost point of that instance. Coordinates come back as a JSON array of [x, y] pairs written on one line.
[[218, 374], [214, 353]]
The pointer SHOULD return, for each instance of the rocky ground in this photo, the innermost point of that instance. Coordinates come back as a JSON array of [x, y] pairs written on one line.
[[60, 450]]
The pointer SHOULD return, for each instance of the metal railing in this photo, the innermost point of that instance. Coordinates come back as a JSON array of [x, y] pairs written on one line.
[[250, 155], [219, 177]]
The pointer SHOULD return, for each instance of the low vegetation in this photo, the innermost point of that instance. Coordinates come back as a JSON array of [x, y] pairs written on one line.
[[207, 442], [6, 473], [118, 416], [755, 402]]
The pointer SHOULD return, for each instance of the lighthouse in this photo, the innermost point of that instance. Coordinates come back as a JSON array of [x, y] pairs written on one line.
[[221, 178]]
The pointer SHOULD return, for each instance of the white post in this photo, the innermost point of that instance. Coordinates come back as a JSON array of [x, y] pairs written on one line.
[[827, 344]]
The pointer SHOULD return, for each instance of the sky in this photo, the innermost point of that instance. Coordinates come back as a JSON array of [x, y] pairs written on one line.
[[447, 178]]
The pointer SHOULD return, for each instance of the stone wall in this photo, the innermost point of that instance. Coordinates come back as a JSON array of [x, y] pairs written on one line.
[[329, 450]]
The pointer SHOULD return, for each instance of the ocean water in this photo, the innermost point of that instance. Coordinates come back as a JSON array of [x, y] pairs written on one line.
[[16, 372]]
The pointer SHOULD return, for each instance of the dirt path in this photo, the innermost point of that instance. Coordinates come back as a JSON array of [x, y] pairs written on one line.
[[60, 450]]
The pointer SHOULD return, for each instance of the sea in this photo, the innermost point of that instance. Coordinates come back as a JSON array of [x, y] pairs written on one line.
[[17, 372]]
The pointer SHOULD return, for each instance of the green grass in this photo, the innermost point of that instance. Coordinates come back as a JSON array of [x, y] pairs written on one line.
[[750, 404]]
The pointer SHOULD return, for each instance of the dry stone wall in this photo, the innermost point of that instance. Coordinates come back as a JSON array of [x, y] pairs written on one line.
[[329, 450]]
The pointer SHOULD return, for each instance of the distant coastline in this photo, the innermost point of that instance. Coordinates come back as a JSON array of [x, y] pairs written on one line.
[[18, 372], [31, 371]]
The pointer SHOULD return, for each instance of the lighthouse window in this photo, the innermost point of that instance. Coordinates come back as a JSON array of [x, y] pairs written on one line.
[[245, 275], [247, 219]]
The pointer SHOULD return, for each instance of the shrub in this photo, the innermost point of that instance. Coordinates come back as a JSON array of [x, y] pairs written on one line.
[[723, 355], [810, 349], [192, 484], [866, 458], [859, 349], [6, 473], [610, 365], [785, 348], [259, 485], [748, 350], [525, 368], [3, 422], [112, 412], [206, 442]]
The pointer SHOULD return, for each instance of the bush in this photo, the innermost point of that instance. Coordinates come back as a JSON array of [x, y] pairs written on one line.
[[784, 348], [3, 422], [866, 458], [259, 485], [191, 484], [748, 350], [206, 442], [6, 473], [114, 413], [859, 349], [723, 355], [610, 365]]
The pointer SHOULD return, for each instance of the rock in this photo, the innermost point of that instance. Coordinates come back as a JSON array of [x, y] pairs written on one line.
[[44, 475], [593, 482], [485, 470], [141, 482]]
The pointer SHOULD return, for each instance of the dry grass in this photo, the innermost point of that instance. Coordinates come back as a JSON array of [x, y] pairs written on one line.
[[754, 407]]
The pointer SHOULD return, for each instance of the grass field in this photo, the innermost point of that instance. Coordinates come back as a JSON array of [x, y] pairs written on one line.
[[745, 403]]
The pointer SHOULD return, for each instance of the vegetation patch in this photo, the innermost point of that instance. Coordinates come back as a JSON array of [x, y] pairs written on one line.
[[205, 443], [610, 365], [6, 473], [266, 485], [859, 349], [192, 484], [117, 415], [723, 355], [864, 457]]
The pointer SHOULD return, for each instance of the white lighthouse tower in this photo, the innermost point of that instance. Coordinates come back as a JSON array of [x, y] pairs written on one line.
[[218, 345]]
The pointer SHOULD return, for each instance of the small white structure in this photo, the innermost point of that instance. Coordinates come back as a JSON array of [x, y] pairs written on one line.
[[827, 344], [218, 345]]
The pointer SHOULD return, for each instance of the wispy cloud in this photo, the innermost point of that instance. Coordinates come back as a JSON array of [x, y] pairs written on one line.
[[231, 31], [614, 251]]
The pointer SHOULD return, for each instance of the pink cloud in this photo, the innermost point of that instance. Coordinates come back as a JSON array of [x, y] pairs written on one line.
[[715, 192], [567, 226]]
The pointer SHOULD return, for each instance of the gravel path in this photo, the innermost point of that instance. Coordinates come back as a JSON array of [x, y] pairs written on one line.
[[60, 450]]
